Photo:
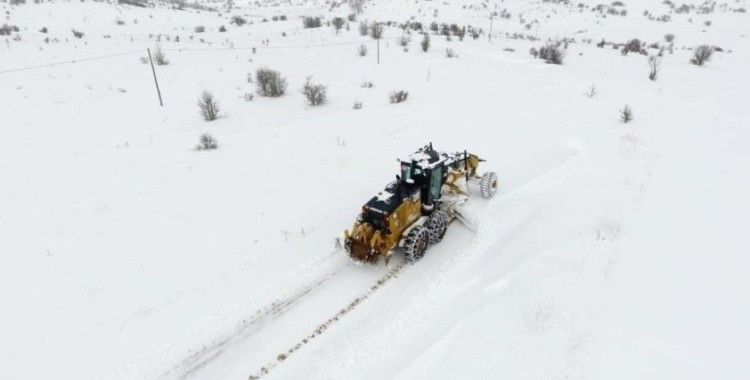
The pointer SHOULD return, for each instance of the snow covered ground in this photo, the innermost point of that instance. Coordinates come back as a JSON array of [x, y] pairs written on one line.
[[612, 250]]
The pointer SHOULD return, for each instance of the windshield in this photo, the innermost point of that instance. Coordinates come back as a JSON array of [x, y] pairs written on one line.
[[406, 173]]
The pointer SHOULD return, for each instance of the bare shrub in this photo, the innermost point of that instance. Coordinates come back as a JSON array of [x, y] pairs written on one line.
[[207, 142], [136, 3], [77, 34], [362, 50], [367, 84], [338, 23], [238, 20], [376, 31], [635, 46], [222, 29], [159, 57], [398, 96], [626, 114], [269, 83], [357, 105], [425, 43], [552, 53], [200, 29], [654, 64], [6, 29], [701, 55], [450, 53], [314, 93], [357, 6], [311, 22], [364, 29], [591, 92], [208, 106], [404, 40]]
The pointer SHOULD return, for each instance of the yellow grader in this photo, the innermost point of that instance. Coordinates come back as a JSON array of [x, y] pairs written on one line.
[[414, 211]]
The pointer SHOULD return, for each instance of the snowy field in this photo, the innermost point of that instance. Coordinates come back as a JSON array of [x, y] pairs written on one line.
[[613, 250]]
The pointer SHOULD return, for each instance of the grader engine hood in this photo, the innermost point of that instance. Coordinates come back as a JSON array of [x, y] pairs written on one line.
[[382, 220]]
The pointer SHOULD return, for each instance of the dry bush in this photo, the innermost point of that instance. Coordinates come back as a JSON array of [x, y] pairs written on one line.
[[701, 55], [635, 46], [450, 53], [404, 40], [159, 57], [207, 142], [552, 53], [6, 29], [135, 3], [338, 23], [626, 114], [398, 96], [357, 6], [376, 31], [362, 50], [311, 22], [357, 105], [269, 83], [200, 29], [425, 43], [591, 92], [238, 20], [314, 93], [654, 64], [363, 29], [208, 106]]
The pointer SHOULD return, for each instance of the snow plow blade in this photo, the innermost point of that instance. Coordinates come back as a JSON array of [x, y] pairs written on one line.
[[468, 215]]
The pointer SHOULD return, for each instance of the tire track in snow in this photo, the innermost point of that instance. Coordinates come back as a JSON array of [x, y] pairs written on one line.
[[392, 273], [247, 326]]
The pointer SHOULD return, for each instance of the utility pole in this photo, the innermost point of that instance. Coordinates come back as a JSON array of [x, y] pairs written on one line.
[[378, 51], [492, 19], [153, 71]]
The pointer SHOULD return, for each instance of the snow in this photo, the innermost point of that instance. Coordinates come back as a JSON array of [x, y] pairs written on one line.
[[611, 250]]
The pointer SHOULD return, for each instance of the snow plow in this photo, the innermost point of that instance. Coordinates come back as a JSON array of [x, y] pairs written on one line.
[[414, 211]]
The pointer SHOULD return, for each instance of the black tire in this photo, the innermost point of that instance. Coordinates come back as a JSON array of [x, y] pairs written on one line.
[[488, 185], [416, 243], [437, 225]]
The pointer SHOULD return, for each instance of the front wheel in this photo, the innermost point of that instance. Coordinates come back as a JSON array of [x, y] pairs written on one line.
[[416, 243], [488, 185], [437, 225]]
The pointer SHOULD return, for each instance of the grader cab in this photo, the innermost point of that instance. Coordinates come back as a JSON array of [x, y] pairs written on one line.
[[414, 211]]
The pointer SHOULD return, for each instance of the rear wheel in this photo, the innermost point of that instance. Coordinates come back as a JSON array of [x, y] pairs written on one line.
[[416, 243], [488, 185], [437, 225]]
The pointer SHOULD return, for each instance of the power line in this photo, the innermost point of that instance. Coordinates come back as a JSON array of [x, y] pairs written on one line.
[[68, 62], [260, 46]]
